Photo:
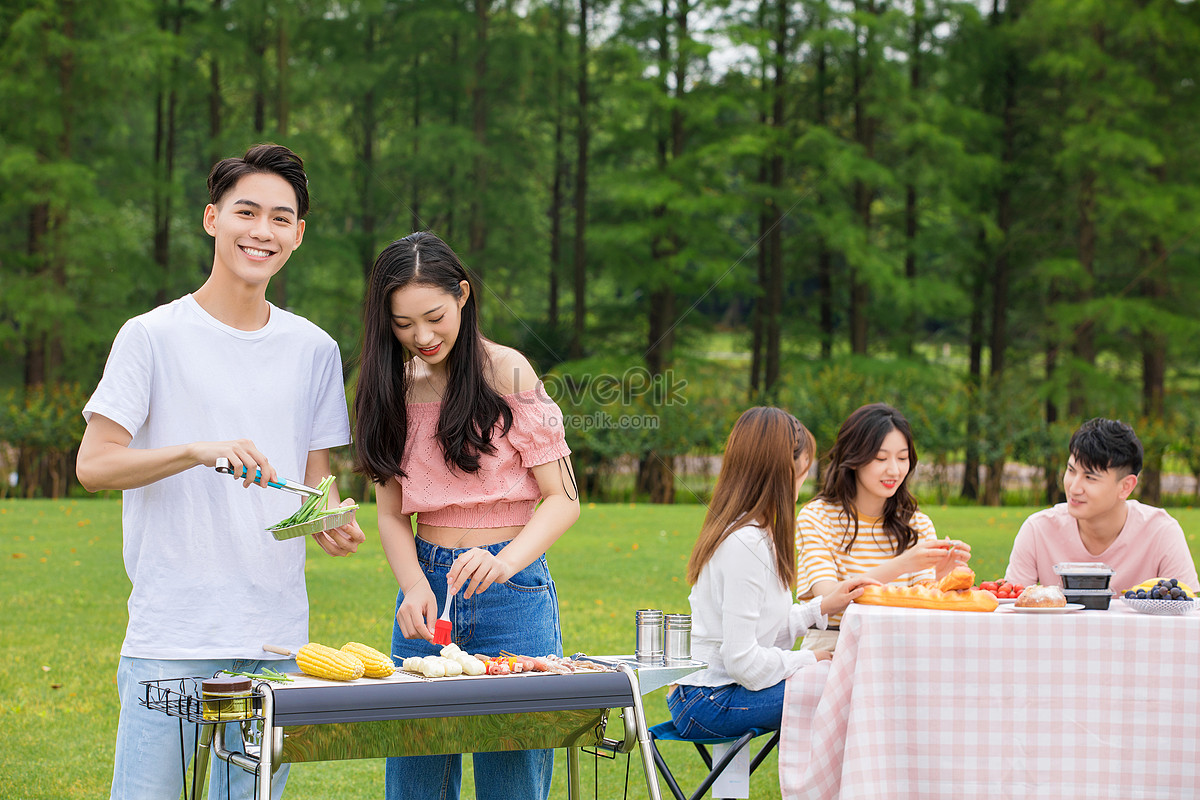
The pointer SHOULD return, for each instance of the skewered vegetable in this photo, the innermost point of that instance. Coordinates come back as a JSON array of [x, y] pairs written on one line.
[[321, 661], [375, 663]]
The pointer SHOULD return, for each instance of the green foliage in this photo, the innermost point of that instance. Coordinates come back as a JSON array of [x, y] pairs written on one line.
[[43, 426], [612, 411], [916, 160]]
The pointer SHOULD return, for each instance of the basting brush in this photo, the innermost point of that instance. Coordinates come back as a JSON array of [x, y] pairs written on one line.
[[441, 631]]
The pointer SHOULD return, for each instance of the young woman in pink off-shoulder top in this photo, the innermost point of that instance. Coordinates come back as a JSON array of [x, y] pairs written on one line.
[[458, 430]]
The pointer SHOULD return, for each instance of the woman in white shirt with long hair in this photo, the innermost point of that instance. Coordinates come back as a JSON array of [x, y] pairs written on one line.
[[742, 569]]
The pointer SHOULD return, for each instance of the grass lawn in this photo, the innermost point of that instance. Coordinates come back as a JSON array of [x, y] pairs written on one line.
[[63, 590]]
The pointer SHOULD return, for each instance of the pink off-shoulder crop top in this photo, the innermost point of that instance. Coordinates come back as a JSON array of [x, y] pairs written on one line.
[[504, 491]]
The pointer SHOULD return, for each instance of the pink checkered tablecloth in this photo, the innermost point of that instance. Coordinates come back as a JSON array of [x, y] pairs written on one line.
[[925, 704]]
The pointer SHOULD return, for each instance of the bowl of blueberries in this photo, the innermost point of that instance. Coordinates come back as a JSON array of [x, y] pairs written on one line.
[[1165, 599]]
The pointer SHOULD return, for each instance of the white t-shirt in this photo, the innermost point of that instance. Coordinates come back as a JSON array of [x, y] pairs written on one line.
[[209, 581], [744, 623]]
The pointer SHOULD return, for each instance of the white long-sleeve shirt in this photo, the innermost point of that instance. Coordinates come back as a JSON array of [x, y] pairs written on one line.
[[744, 622]]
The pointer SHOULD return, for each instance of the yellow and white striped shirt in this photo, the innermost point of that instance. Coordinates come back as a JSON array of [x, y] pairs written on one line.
[[821, 556]]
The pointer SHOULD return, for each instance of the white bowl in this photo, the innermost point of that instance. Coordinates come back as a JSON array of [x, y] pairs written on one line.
[[1161, 608]]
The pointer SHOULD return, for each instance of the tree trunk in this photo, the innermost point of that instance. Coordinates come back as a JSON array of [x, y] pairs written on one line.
[[452, 176], [1050, 475], [757, 321], [970, 483], [775, 281], [1083, 343], [560, 169], [214, 96], [477, 227], [279, 283], [582, 132], [46, 246], [170, 22], [414, 202], [658, 474], [369, 124], [823, 257], [998, 345], [258, 46], [911, 220], [864, 135], [283, 104], [758, 316], [1154, 373]]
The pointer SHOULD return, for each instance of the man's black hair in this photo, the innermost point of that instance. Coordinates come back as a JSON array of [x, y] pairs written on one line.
[[1101, 444], [273, 159]]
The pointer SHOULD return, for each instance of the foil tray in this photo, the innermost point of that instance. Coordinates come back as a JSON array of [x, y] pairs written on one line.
[[313, 526]]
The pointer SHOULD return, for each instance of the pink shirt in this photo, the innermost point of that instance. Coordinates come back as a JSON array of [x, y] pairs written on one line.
[[503, 491], [1151, 545]]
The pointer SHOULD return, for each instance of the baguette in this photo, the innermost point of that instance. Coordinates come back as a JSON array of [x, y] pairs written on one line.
[[927, 597]]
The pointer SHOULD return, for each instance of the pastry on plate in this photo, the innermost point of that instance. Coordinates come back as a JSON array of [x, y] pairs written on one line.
[[1041, 597]]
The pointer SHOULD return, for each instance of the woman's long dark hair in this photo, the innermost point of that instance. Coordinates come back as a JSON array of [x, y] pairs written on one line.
[[757, 482], [858, 441], [470, 408]]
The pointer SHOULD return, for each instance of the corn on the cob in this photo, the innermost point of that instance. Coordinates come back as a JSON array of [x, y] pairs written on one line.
[[375, 663], [321, 661]]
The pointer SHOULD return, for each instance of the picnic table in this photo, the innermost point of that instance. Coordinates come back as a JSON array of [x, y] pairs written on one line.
[[942, 704]]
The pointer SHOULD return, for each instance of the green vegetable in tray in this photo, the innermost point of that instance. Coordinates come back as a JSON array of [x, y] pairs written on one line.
[[313, 508], [267, 674]]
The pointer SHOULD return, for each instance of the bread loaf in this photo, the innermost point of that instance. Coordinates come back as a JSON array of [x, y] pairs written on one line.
[[959, 578], [928, 597]]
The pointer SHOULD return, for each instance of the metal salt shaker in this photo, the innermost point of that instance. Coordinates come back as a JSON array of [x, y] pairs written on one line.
[[650, 629]]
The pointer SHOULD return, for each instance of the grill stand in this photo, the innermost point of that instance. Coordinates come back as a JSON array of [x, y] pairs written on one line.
[[265, 748]]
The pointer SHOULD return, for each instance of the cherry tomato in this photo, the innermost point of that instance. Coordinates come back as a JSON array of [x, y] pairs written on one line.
[[1017, 589], [988, 586]]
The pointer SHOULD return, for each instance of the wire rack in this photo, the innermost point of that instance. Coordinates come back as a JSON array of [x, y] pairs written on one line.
[[181, 697]]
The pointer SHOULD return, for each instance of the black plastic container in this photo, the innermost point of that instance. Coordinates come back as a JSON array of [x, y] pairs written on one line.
[[1084, 575], [1094, 599]]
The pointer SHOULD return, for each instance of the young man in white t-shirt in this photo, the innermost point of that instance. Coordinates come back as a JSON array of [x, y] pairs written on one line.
[[219, 373], [1099, 522]]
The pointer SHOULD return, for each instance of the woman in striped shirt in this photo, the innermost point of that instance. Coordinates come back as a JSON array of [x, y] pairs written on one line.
[[865, 521]]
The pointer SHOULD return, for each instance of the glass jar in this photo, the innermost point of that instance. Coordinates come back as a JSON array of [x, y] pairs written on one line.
[[226, 699]]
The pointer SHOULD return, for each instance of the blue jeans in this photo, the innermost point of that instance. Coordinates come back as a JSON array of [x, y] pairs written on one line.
[[520, 616], [716, 712], [152, 746]]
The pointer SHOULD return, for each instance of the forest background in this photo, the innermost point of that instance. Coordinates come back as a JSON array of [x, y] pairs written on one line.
[[982, 212]]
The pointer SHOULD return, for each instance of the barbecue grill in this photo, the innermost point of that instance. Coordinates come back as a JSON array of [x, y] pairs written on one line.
[[408, 715]]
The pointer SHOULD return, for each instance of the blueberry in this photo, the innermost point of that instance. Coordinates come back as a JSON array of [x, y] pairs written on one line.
[[1131, 594], [1141, 594]]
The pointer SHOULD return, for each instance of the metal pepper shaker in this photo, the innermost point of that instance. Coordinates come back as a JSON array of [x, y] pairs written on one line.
[[679, 638]]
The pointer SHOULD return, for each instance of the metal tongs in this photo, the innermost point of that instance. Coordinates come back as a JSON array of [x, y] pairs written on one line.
[[224, 467]]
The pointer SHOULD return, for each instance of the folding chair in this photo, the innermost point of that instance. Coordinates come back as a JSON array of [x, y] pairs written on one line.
[[666, 732]]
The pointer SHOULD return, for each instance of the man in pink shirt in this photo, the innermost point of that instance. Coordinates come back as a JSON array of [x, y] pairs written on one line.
[[1099, 522]]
